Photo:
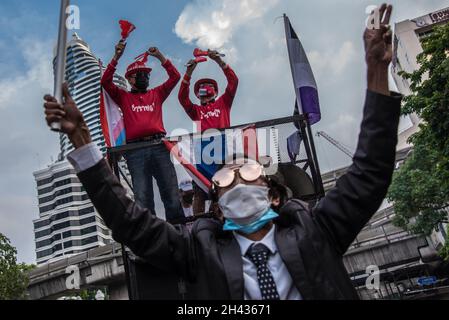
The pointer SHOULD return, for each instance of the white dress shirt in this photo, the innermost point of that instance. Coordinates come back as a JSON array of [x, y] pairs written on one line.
[[281, 276], [85, 157]]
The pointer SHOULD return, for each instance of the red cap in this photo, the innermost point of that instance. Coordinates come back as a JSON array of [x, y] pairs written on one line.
[[139, 65], [136, 67], [203, 81]]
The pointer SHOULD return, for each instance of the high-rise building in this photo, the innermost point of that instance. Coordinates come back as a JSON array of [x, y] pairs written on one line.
[[408, 35], [68, 223], [83, 74]]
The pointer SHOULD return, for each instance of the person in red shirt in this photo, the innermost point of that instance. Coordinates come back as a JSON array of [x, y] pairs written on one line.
[[142, 114], [212, 113]]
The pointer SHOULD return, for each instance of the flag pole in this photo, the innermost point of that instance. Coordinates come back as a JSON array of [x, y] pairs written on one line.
[[61, 54]]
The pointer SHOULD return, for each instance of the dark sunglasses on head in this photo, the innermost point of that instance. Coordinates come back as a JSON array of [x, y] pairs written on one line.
[[249, 172]]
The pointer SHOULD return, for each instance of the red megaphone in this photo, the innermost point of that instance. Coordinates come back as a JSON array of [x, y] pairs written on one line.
[[198, 60], [127, 27], [200, 53]]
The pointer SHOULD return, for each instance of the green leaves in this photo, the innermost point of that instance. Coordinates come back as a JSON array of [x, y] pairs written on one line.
[[13, 278], [420, 188]]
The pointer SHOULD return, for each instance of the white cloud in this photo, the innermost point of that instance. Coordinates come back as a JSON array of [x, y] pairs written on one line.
[[331, 62], [212, 24], [39, 74]]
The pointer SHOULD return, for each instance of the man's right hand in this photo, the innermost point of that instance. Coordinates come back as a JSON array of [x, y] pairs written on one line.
[[70, 117], [119, 50], [191, 66]]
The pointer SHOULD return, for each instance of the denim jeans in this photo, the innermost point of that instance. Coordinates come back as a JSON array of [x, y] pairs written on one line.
[[154, 162]]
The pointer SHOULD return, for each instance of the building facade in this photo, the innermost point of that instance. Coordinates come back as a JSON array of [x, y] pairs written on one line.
[[408, 36], [401, 260], [68, 223]]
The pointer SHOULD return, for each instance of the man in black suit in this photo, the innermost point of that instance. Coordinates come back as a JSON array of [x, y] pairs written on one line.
[[256, 254]]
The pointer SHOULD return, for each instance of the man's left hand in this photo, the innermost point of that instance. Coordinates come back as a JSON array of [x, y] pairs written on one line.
[[379, 52]]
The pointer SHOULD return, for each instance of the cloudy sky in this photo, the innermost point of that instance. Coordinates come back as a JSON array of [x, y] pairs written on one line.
[[248, 31]]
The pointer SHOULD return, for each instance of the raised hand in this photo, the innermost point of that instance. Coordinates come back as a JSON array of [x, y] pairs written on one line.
[[379, 52], [119, 49], [70, 117], [154, 52], [378, 42], [191, 66], [216, 56]]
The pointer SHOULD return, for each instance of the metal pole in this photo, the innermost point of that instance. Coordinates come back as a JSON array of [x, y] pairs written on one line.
[[310, 158], [61, 54], [115, 168], [315, 157]]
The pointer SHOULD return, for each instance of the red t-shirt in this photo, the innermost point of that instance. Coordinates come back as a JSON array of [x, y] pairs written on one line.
[[142, 112], [215, 115]]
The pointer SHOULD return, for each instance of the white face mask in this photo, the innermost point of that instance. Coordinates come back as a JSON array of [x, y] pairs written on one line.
[[245, 204]]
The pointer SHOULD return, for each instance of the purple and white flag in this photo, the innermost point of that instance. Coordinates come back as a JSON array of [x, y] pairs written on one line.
[[304, 81]]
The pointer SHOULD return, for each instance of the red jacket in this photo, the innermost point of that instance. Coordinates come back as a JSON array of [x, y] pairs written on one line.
[[215, 115], [142, 112]]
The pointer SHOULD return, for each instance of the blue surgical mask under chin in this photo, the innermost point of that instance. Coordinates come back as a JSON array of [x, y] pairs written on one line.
[[252, 227]]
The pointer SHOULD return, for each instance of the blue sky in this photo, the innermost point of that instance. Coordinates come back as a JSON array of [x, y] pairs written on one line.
[[245, 30]]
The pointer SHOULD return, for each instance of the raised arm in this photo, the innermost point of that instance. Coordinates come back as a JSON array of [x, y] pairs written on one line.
[[184, 92], [153, 239], [107, 80], [358, 194], [231, 77], [173, 74]]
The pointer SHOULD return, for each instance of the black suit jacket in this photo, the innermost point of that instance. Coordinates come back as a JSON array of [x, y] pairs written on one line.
[[311, 242]]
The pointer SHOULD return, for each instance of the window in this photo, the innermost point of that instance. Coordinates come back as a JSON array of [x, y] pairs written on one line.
[[43, 233], [41, 224], [89, 240], [44, 253], [64, 201], [61, 216], [62, 174], [46, 199], [85, 211], [87, 220], [68, 244], [88, 230], [62, 183], [73, 233], [45, 181], [44, 191], [61, 226], [43, 243]]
